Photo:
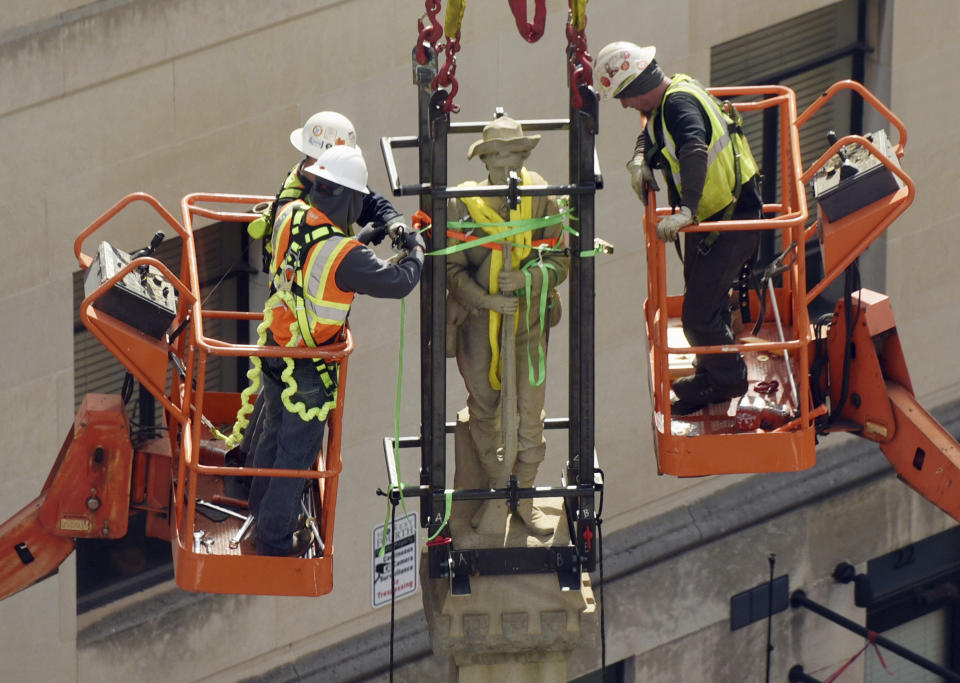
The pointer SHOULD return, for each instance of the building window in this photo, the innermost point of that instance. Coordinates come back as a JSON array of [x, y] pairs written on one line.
[[614, 673], [916, 603], [807, 53]]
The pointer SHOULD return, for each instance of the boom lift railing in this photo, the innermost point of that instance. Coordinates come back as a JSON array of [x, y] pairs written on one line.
[[193, 413], [233, 573], [581, 480], [845, 240], [681, 455]]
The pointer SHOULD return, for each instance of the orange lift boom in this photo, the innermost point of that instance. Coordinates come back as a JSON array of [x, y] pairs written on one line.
[[869, 391], [98, 478]]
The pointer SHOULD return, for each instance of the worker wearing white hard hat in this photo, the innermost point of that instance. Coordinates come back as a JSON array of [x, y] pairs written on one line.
[[698, 144], [321, 132], [316, 270]]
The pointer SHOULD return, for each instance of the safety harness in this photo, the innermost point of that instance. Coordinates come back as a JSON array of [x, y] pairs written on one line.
[[262, 226], [299, 308]]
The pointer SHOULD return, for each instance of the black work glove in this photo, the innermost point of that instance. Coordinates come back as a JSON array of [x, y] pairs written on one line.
[[411, 239], [372, 233]]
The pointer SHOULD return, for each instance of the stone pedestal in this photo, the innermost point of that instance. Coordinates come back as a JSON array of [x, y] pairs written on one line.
[[510, 628], [520, 627]]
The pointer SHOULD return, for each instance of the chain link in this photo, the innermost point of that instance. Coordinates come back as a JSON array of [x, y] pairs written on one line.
[[446, 76], [428, 33], [580, 66]]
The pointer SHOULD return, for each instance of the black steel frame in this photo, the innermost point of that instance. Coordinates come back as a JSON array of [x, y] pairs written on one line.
[[582, 482]]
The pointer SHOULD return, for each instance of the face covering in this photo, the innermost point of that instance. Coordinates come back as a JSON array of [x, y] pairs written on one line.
[[341, 204]]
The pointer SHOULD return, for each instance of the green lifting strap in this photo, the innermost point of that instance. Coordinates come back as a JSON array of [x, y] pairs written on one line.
[[447, 506], [520, 226], [544, 289]]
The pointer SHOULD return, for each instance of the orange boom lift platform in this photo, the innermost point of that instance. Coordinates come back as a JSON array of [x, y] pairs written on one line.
[[847, 373], [99, 478]]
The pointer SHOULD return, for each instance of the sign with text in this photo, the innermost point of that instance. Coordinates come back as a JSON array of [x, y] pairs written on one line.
[[401, 549]]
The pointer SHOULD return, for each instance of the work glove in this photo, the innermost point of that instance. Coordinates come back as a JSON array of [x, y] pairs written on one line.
[[511, 280], [641, 177], [396, 226], [500, 303], [372, 233], [411, 239], [669, 227]]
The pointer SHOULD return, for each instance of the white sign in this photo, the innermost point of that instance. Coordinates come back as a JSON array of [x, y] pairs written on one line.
[[402, 549]]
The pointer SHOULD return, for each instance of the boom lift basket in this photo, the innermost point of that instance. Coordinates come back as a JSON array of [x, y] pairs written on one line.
[[206, 555], [218, 567], [729, 438]]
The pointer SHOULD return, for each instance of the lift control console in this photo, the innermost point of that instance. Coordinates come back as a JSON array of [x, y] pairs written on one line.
[[143, 299], [855, 178]]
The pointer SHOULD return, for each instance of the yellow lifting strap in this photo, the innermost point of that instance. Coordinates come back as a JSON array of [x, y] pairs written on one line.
[[481, 212], [454, 17], [579, 10]]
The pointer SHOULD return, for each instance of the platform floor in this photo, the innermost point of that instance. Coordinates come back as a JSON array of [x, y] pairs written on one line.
[[218, 528], [768, 403]]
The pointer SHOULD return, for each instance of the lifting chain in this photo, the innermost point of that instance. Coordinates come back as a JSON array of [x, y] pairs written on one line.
[[431, 33], [531, 32], [581, 70], [446, 75]]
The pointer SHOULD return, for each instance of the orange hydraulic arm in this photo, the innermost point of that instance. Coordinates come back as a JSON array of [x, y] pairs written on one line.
[[86, 495], [97, 477], [877, 398]]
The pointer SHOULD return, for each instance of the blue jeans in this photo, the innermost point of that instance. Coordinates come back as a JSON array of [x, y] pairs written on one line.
[[286, 442]]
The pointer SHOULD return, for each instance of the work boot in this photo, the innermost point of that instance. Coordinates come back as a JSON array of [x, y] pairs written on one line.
[[296, 544], [696, 392], [535, 520]]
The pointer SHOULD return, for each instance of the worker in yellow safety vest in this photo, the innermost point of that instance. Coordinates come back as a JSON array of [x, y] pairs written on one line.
[[482, 289], [711, 175], [316, 271]]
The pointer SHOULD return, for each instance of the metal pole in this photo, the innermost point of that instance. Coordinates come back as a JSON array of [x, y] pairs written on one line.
[[580, 466], [800, 599], [432, 133], [786, 354], [773, 561], [508, 384], [424, 77]]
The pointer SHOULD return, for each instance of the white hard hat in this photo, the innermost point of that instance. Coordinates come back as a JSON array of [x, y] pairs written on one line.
[[619, 63], [342, 165], [323, 130]]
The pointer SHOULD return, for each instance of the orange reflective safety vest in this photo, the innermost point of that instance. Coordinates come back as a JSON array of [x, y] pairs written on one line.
[[307, 308]]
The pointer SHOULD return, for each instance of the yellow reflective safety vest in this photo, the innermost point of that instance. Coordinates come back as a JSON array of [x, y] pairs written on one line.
[[726, 149], [307, 307]]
